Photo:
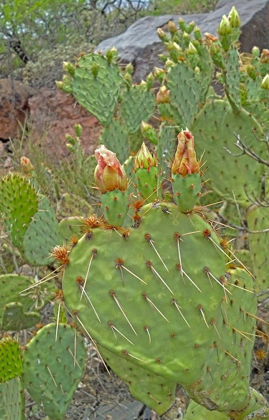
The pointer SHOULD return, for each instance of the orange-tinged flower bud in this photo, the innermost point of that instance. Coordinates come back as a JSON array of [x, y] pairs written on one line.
[[109, 174], [264, 56], [185, 161], [26, 165], [144, 159]]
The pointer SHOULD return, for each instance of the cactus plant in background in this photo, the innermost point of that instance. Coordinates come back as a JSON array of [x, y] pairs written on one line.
[[162, 297]]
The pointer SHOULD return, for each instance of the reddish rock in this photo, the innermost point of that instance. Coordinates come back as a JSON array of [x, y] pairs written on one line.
[[14, 107], [53, 114]]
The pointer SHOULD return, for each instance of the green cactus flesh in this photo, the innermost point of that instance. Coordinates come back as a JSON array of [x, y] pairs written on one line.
[[257, 220], [42, 235], [69, 228], [73, 205], [184, 92], [186, 190], [16, 319], [10, 359], [197, 412], [115, 138], [166, 148], [228, 361], [137, 105], [232, 78], [97, 91], [115, 205], [53, 364], [11, 286], [18, 204], [213, 130], [12, 400], [147, 183], [170, 303], [153, 390]]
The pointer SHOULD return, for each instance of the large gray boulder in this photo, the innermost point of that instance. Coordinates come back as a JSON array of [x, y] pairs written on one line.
[[140, 45]]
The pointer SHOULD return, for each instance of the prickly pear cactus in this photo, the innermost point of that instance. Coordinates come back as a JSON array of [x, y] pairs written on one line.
[[15, 318], [53, 364], [18, 204], [12, 400]]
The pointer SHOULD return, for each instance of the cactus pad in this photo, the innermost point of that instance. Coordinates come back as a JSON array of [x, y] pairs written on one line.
[[12, 400], [53, 366], [15, 319], [10, 359], [18, 204]]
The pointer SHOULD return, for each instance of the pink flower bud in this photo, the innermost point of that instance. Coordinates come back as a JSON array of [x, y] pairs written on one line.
[[185, 161], [109, 174], [26, 165]]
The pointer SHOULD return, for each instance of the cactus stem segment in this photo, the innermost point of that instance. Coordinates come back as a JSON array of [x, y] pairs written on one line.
[[149, 264], [179, 310], [149, 239], [119, 264], [153, 305], [112, 293], [113, 328]]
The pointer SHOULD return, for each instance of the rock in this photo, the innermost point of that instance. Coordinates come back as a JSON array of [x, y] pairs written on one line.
[[54, 114], [14, 107], [140, 45]]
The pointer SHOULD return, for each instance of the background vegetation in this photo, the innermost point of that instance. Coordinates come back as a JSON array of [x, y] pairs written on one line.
[[36, 36]]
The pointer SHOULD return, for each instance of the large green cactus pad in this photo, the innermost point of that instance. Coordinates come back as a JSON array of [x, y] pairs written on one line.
[[223, 386], [42, 235], [96, 86], [257, 219], [114, 270], [137, 105], [18, 204], [214, 129], [53, 366]]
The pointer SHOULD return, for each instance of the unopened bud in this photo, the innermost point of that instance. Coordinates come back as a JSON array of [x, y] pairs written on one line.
[[225, 27], [78, 130], [129, 68], [264, 57], [172, 27], [144, 159], [191, 49], [265, 82], [69, 68], [162, 35], [251, 71], [109, 174], [26, 165], [234, 18], [163, 95], [255, 51], [185, 161]]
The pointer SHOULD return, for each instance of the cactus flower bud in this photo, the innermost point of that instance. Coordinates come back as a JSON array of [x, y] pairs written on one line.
[[172, 27], [264, 57], [255, 51], [26, 165], [78, 130], [162, 35], [234, 18], [163, 95], [191, 49], [265, 82], [251, 71], [109, 174], [144, 159], [129, 68], [225, 27], [185, 161], [69, 68]]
